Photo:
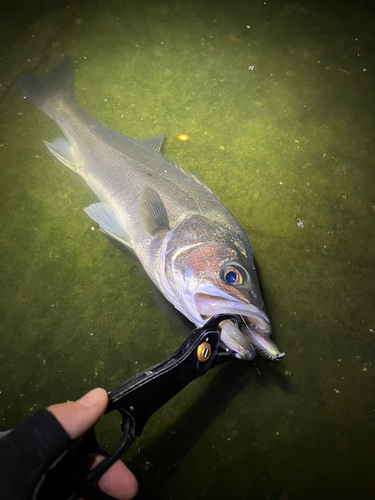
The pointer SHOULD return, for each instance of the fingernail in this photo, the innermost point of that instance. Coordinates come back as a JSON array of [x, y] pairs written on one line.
[[92, 397]]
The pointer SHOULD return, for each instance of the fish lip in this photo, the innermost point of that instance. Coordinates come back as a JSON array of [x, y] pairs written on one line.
[[246, 313]]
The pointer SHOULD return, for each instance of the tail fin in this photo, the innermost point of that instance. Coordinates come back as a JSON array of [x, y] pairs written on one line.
[[57, 83]]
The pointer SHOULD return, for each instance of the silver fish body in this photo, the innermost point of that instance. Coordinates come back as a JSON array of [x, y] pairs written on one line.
[[189, 243]]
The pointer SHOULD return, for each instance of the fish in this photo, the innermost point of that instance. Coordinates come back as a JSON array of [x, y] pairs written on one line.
[[190, 245]]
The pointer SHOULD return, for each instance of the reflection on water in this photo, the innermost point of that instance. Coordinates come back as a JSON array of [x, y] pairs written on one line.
[[277, 101]]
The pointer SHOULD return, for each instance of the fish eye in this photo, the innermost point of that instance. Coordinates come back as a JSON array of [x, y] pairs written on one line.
[[232, 275]]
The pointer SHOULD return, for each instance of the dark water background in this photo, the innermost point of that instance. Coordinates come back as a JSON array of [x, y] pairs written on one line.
[[278, 101]]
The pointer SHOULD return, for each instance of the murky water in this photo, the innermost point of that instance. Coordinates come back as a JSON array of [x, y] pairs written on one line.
[[278, 101]]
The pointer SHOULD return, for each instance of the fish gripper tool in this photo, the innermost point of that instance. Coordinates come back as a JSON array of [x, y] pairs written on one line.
[[136, 399]]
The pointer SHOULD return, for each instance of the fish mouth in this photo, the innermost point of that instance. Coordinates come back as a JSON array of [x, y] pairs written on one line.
[[247, 314], [248, 335]]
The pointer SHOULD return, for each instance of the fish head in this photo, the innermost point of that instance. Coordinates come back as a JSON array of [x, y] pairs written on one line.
[[207, 269]]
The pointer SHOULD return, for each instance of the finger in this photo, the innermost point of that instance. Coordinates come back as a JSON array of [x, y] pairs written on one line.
[[118, 482], [76, 417]]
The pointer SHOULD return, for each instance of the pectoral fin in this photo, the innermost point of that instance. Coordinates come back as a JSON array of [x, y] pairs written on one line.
[[153, 212], [110, 223]]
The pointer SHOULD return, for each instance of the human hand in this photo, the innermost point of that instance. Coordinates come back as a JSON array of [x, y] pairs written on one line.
[[76, 417]]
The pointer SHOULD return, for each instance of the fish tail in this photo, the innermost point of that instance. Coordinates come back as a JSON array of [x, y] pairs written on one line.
[[56, 85]]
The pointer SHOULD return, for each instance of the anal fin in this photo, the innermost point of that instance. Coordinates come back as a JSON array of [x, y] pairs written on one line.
[[62, 150], [110, 223]]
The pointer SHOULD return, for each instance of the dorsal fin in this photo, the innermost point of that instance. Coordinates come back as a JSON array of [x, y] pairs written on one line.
[[195, 177], [154, 143]]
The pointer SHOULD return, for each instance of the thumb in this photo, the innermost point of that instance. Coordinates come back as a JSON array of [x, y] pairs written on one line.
[[76, 417]]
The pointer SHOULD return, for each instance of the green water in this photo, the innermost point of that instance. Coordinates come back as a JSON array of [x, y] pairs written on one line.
[[278, 101]]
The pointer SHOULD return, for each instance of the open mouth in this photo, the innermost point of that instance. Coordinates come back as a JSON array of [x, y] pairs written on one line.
[[248, 314], [249, 336]]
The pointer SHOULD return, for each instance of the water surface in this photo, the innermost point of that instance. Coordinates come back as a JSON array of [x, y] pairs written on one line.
[[278, 100]]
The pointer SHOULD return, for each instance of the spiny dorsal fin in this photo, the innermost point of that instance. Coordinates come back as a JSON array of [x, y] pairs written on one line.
[[189, 174], [153, 212]]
